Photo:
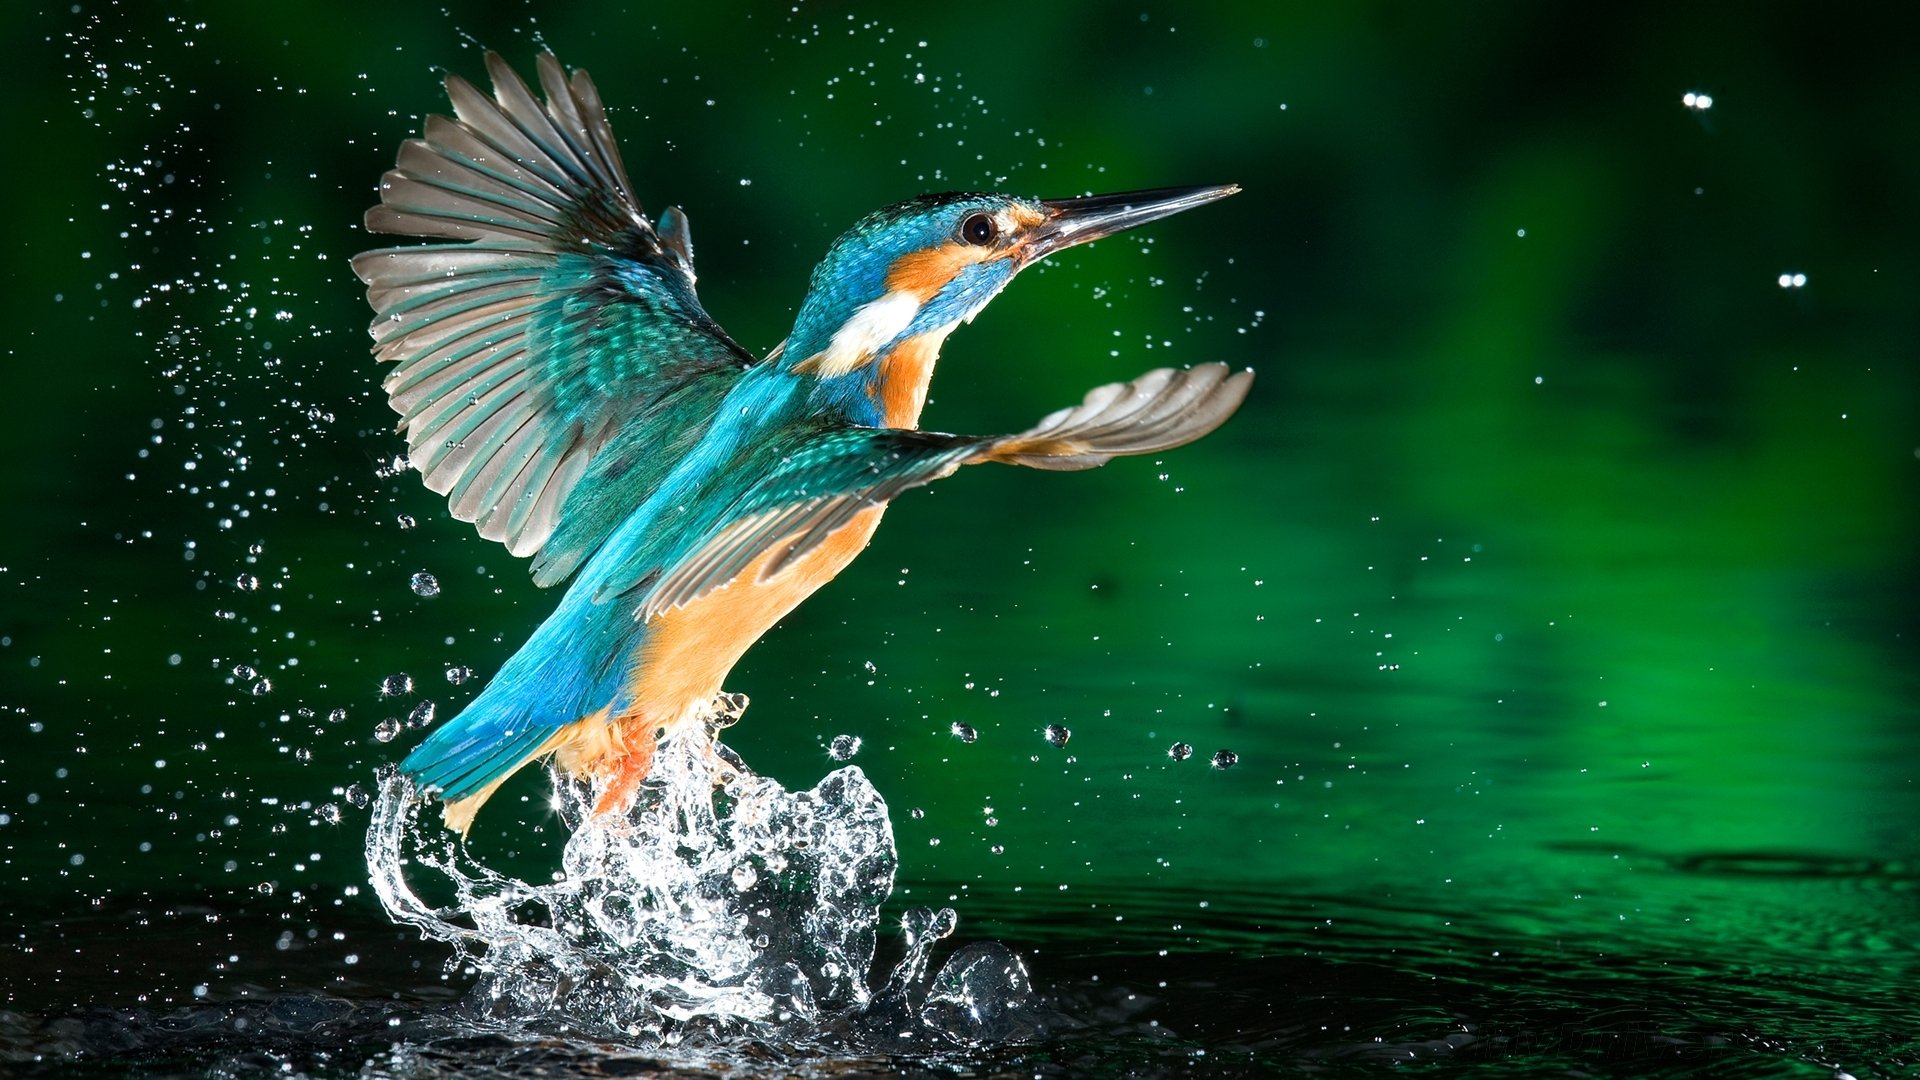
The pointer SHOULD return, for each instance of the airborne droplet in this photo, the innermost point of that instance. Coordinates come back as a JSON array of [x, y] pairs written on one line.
[[843, 747], [964, 732], [1058, 734], [1225, 759], [396, 684], [1180, 751], [421, 716], [386, 729], [425, 584]]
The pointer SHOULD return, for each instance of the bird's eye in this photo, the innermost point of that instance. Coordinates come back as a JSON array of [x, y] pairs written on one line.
[[979, 229]]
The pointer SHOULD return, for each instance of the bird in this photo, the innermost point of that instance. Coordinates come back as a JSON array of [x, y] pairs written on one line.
[[560, 383]]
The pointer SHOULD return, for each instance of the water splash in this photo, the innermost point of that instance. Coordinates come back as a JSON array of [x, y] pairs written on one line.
[[722, 906]]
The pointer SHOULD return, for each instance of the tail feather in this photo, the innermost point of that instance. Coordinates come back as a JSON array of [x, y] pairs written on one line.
[[560, 681], [474, 753], [458, 813]]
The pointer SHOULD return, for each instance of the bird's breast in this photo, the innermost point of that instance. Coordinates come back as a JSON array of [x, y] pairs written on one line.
[[687, 652], [901, 377]]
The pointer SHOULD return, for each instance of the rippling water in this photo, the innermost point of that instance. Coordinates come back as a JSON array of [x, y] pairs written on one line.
[[1217, 982], [726, 927]]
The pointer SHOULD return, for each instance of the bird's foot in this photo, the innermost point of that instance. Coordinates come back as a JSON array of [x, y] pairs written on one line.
[[628, 774]]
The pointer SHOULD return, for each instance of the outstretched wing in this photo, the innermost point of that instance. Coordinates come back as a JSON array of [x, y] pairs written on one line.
[[557, 317], [839, 472]]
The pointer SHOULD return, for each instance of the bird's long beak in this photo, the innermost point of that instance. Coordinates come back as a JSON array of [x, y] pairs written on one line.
[[1090, 217]]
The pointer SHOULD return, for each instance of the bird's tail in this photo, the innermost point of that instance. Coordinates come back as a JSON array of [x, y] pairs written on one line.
[[563, 674]]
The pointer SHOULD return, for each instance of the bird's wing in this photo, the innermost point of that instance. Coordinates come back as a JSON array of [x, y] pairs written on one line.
[[833, 475], [556, 315]]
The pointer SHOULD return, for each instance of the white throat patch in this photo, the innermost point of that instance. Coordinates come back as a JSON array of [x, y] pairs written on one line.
[[870, 328]]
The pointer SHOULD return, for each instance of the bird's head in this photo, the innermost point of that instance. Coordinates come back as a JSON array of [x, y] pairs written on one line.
[[924, 266]]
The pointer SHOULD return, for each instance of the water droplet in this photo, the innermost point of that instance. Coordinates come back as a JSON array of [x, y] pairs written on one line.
[[979, 995], [357, 795], [843, 747], [386, 729], [396, 684], [1180, 751], [263, 687], [303, 755], [917, 813], [243, 672], [964, 732], [744, 877], [459, 673], [406, 521], [336, 716], [945, 922], [330, 813], [1058, 734], [1225, 759], [421, 715], [247, 583], [425, 584]]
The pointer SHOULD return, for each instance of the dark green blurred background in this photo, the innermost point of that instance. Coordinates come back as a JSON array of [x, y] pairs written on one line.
[[1559, 571]]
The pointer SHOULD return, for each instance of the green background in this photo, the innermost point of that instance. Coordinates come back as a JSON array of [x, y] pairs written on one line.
[[1556, 579]]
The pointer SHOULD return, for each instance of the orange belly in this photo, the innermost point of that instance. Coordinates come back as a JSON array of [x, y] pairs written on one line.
[[688, 652]]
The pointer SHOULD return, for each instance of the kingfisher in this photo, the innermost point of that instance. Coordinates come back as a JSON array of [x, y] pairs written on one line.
[[560, 383]]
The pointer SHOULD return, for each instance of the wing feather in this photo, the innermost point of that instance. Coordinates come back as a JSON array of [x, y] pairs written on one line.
[[814, 491], [551, 316], [466, 439], [1143, 417], [479, 490]]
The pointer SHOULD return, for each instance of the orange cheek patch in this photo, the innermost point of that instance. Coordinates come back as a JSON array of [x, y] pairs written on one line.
[[924, 273]]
